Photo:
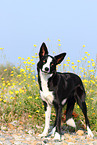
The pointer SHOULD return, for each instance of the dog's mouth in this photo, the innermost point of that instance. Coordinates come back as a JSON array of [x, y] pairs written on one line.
[[48, 72]]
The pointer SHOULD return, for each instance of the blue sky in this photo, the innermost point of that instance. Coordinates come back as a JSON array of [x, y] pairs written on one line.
[[24, 23]]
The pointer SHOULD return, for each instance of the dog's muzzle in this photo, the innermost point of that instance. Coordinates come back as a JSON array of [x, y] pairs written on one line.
[[46, 70]]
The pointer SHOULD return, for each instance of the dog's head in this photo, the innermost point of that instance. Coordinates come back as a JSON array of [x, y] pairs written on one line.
[[47, 63]]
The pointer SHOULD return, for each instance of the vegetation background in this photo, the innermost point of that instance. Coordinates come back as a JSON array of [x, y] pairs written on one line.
[[19, 91]]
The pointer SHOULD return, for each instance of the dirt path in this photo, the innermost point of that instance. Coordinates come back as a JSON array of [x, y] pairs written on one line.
[[12, 135]]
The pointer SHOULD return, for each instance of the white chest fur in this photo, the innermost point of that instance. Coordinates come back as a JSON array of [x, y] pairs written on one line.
[[46, 95]]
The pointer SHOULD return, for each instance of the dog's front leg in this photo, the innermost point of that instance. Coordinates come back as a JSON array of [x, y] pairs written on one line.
[[58, 122], [47, 119]]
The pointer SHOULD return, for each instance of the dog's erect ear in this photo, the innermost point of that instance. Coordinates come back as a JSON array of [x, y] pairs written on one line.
[[59, 57], [43, 50]]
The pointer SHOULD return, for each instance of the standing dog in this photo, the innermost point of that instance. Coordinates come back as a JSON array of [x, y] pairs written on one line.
[[59, 89]]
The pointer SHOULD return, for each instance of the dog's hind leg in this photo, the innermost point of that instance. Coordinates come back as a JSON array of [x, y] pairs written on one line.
[[82, 104], [84, 110], [47, 108], [69, 111]]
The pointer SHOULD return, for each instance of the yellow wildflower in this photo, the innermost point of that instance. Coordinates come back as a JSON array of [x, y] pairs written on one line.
[[19, 57], [17, 92], [86, 52], [78, 61], [91, 98], [29, 116], [30, 97], [19, 76], [72, 63], [3, 84], [67, 59], [85, 81], [35, 45], [92, 59], [10, 92], [54, 52], [33, 77], [80, 68], [28, 62], [24, 62], [92, 70], [22, 70], [5, 69], [88, 66], [12, 98], [0, 99], [4, 101], [73, 67], [32, 60], [37, 111], [33, 56], [28, 58], [37, 98], [33, 63], [92, 81], [83, 59], [93, 64]]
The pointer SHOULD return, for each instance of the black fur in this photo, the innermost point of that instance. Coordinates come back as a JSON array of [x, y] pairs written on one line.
[[64, 86]]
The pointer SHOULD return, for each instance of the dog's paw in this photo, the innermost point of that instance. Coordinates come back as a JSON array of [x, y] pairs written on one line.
[[57, 136], [90, 134], [43, 134], [52, 132]]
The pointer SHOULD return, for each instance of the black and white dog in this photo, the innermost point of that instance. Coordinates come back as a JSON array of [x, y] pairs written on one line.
[[59, 89]]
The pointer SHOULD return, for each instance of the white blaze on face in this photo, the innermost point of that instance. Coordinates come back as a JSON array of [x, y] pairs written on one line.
[[47, 65]]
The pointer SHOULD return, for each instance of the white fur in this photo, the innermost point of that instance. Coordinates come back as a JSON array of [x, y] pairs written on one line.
[[57, 136], [89, 132], [46, 95], [64, 101], [49, 60], [52, 132], [47, 121], [71, 122]]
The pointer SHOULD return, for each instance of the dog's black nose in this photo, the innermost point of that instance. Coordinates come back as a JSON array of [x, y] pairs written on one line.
[[46, 69]]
